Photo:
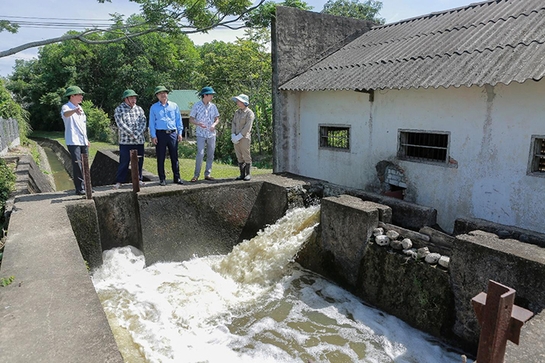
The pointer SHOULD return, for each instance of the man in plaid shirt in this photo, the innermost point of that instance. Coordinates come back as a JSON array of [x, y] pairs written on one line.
[[131, 123]]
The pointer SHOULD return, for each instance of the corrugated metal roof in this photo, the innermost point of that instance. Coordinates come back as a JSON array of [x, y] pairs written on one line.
[[489, 42]]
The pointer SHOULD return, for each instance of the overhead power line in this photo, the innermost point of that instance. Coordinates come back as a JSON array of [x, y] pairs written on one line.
[[7, 17], [67, 23], [57, 23]]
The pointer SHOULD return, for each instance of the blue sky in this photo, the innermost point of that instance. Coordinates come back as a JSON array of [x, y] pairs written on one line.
[[392, 11]]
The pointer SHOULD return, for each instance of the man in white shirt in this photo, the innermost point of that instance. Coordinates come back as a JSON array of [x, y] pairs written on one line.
[[75, 133]]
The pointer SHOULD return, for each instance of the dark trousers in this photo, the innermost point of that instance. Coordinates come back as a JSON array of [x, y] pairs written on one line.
[[77, 165], [125, 160], [167, 141]]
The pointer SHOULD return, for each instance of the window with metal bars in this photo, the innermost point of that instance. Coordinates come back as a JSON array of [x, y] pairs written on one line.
[[537, 162], [335, 137], [423, 146]]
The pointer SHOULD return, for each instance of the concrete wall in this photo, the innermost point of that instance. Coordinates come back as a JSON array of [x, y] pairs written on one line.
[[199, 220], [178, 225], [343, 250], [428, 297], [300, 40], [490, 137], [480, 256]]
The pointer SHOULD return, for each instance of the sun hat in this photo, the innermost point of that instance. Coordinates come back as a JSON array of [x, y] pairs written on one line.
[[207, 91], [73, 90], [160, 89], [242, 98], [128, 93]]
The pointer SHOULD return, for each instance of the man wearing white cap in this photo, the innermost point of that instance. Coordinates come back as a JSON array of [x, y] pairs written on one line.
[[241, 131]]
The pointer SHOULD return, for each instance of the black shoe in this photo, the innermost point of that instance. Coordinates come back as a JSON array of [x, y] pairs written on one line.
[[81, 192], [163, 183], [179, 181]]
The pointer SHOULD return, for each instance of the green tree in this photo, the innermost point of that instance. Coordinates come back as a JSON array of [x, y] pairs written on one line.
[[98, 123], [240, 67], [261, 17], [11, 109], [158, 16], [7, 184], [103, 71], [355, 9]]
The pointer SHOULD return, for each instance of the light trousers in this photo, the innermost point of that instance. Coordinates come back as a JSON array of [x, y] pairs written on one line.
[[210, 145]]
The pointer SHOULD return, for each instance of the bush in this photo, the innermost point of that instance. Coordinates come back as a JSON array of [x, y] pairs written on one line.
[[10, 109], [98, 123], [7, 183]]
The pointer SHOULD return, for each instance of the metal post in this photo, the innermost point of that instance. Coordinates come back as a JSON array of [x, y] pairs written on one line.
[[86, 176], [500, 320], [135, 172]]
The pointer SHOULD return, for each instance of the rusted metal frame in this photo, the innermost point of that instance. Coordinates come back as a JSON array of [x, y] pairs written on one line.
[[135, 172], [86, 176], [500, 320]]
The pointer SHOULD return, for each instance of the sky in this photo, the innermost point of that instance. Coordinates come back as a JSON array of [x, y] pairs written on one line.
[[79, 10]]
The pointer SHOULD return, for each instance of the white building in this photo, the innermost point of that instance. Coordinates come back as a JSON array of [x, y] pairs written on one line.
[[446, 110]]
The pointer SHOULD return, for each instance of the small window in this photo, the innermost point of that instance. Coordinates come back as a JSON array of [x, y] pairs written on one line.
[[537, 161], [335, 137], [423, 146]]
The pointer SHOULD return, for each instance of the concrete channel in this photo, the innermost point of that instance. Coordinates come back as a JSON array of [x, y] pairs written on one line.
[[51, 313]]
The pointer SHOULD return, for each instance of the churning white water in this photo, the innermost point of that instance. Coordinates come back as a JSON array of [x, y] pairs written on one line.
[[253, 305]]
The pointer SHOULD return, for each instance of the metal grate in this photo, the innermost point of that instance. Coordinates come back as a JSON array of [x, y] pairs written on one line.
[[335, 137], [539, 156], [423, 146]]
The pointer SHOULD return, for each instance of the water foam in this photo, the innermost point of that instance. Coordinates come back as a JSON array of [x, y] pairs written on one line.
[[253, 305]]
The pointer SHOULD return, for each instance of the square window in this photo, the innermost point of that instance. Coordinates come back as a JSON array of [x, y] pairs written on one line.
[[335, 137], [423, 146], [537, 157]]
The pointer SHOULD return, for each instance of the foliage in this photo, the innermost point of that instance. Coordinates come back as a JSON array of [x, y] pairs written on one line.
[[7, 183], [6, 281], [354, 9], [35, 153], [232, 69], [103, 72], [263, 15], [98, 123], [11, 109], [169, 17]]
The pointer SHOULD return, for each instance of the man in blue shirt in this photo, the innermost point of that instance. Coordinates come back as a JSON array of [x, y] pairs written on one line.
[[165, 125]]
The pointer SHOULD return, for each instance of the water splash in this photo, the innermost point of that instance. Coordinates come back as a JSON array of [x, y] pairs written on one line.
[[263, 258], [252, 305]]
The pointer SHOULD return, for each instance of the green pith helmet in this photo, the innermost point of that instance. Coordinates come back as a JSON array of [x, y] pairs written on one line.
[[128, 93], [160, 89], [73, 90]]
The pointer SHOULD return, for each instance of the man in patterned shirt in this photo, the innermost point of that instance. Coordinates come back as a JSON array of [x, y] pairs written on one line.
[[204, 114], [131, 123]]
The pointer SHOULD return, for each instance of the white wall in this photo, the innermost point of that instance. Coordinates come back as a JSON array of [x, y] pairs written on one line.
[[491, 129]]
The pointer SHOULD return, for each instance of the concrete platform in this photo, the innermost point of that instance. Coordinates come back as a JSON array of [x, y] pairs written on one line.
[[50, 313]]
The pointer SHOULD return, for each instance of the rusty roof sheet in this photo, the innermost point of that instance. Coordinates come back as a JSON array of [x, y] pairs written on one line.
[[489, 42]]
